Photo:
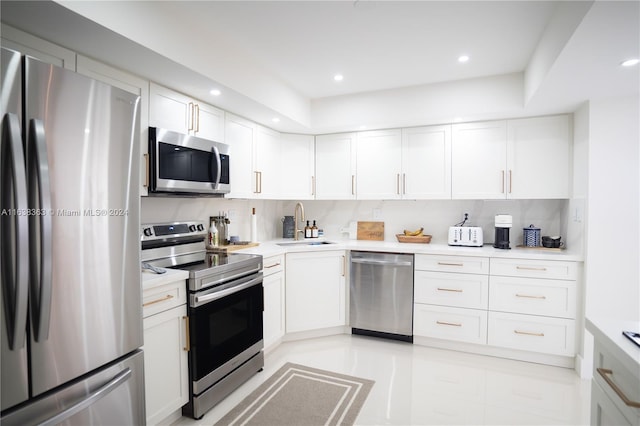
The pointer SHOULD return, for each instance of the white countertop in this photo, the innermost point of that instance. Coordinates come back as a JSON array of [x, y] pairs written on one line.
[[270, 248], [151, 279], [609, 332]]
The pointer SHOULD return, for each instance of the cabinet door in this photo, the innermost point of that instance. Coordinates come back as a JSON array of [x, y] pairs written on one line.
[[538, 158], [297, 167], [268, 163], [240, 134], [165, 363], [335, 167], [378, 165], [209, 122], [273, 316], [316, 290], [133, 84], [40, 49], [478, 160], [170, 110], [426, 163]]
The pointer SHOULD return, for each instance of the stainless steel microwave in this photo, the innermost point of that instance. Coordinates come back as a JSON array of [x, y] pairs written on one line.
[[187, 165]]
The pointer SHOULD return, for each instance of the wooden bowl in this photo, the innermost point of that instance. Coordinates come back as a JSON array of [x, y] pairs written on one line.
[[422, 239]]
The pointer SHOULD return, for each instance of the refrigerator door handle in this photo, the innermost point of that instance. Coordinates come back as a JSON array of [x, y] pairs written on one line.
[[216, 154], [40, 226], [15, 250], [91, 399]]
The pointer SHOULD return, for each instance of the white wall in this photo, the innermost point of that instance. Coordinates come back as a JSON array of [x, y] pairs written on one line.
[[613, 233]]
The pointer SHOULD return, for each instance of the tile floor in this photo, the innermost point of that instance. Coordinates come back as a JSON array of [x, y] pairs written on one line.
[[416, 385]]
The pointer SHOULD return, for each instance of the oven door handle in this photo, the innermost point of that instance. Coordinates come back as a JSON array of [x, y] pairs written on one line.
[[215, 295]]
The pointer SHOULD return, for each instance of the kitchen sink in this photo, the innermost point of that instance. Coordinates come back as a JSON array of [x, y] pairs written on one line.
[[304, 243]]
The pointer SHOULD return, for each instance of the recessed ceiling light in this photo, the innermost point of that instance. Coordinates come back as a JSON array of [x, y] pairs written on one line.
[[630, 62], [275, 119], [463, 58], [215, 92], [338, 77]]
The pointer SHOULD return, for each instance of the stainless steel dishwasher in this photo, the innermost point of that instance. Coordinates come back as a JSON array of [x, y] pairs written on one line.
[[381, 295]]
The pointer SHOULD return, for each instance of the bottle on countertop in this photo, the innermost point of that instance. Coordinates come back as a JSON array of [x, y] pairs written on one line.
[[307, 231], [212, 236], [314, 230]]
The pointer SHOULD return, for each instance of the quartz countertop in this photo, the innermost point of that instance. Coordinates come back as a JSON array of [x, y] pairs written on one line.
[[609, 332], [151, 279]]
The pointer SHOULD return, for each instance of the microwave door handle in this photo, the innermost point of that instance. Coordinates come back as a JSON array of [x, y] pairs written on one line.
[[216, 154], [13, 193], [39, 243]]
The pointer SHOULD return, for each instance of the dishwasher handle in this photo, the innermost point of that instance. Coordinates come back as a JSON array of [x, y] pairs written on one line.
[[381, 262]]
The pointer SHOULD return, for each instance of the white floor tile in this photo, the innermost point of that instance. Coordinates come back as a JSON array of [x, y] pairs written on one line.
[[416, 385]]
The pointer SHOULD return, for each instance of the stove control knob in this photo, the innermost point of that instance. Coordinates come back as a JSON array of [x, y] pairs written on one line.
[[200, 227], [147, 232], [192, 228]]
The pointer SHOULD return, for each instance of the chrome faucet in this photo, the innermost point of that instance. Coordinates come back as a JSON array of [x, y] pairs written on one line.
[[295, 220]]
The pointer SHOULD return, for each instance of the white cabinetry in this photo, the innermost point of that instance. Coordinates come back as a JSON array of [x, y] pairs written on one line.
[[379, 165], [171, 110], [133, 84], [426, 163], [240, 134], [40, 49], [515, 159], [274, 287], [315, 290], [297, 170], [165, 350], [335, 167], [267, 165]]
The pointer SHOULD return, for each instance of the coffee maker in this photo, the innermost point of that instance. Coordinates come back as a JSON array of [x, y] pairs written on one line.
[[503, 223]]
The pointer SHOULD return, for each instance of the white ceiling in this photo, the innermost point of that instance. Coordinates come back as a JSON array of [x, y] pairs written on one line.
[[278, 58]]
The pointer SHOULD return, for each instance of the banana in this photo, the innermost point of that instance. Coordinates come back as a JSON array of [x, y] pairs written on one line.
[[416, 233]]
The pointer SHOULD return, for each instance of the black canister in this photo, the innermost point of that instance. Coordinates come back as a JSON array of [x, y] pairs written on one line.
[[288, 227]]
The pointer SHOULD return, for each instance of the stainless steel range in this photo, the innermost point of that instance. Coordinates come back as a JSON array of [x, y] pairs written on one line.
[[225, 309]]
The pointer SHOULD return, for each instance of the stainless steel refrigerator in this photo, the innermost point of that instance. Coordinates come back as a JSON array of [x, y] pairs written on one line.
[[70, 266]]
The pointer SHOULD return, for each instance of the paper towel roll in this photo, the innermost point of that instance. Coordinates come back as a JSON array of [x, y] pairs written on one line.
[[254, 226]]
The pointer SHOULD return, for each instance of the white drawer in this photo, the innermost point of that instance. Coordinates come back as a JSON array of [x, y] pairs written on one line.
[[532, 333], [273, 264], [556, 298], [550, 269], [617, 381], [464, 325], [450, 289], [164, 297], [463, 264]]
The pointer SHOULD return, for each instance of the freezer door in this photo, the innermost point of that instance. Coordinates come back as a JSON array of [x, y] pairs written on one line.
[[14, 237], [112, 396], [83, 179]]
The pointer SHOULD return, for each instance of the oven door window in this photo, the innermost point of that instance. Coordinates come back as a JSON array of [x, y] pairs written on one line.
[[223, 328], [188, 164]]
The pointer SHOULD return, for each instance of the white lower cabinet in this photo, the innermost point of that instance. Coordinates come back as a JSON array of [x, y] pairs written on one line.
[[274, 287], [315, 290], [165, 350], [442, 322]]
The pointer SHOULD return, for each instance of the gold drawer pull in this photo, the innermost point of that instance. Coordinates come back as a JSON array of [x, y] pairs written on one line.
[[604, 372], [453, 324], [167, 297], [273, 266], [528, 296], [187, 346], [529, 268], [456, 290], [528, 333], [450, 264]]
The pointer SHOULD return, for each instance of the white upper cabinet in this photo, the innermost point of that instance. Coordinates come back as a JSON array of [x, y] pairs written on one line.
[[539, 158], [174, 111], [379, 165], [426, 163], [240, 134], [478, 160], [267, 165], [297, 172], [335, 167]]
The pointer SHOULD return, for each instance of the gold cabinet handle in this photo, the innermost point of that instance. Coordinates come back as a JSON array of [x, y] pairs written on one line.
[[258, 189], [605, 372], [529, 268], [146, 168], [197, 117], [450, 264], [404, 183], [398, 183], [190, 116], [167, 297], [453, 324], [353, 184], [456, 290], [313, 185], [510, 180], [529, 296], [502, 182], [187, 346], [529, 333], [273, 266]]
